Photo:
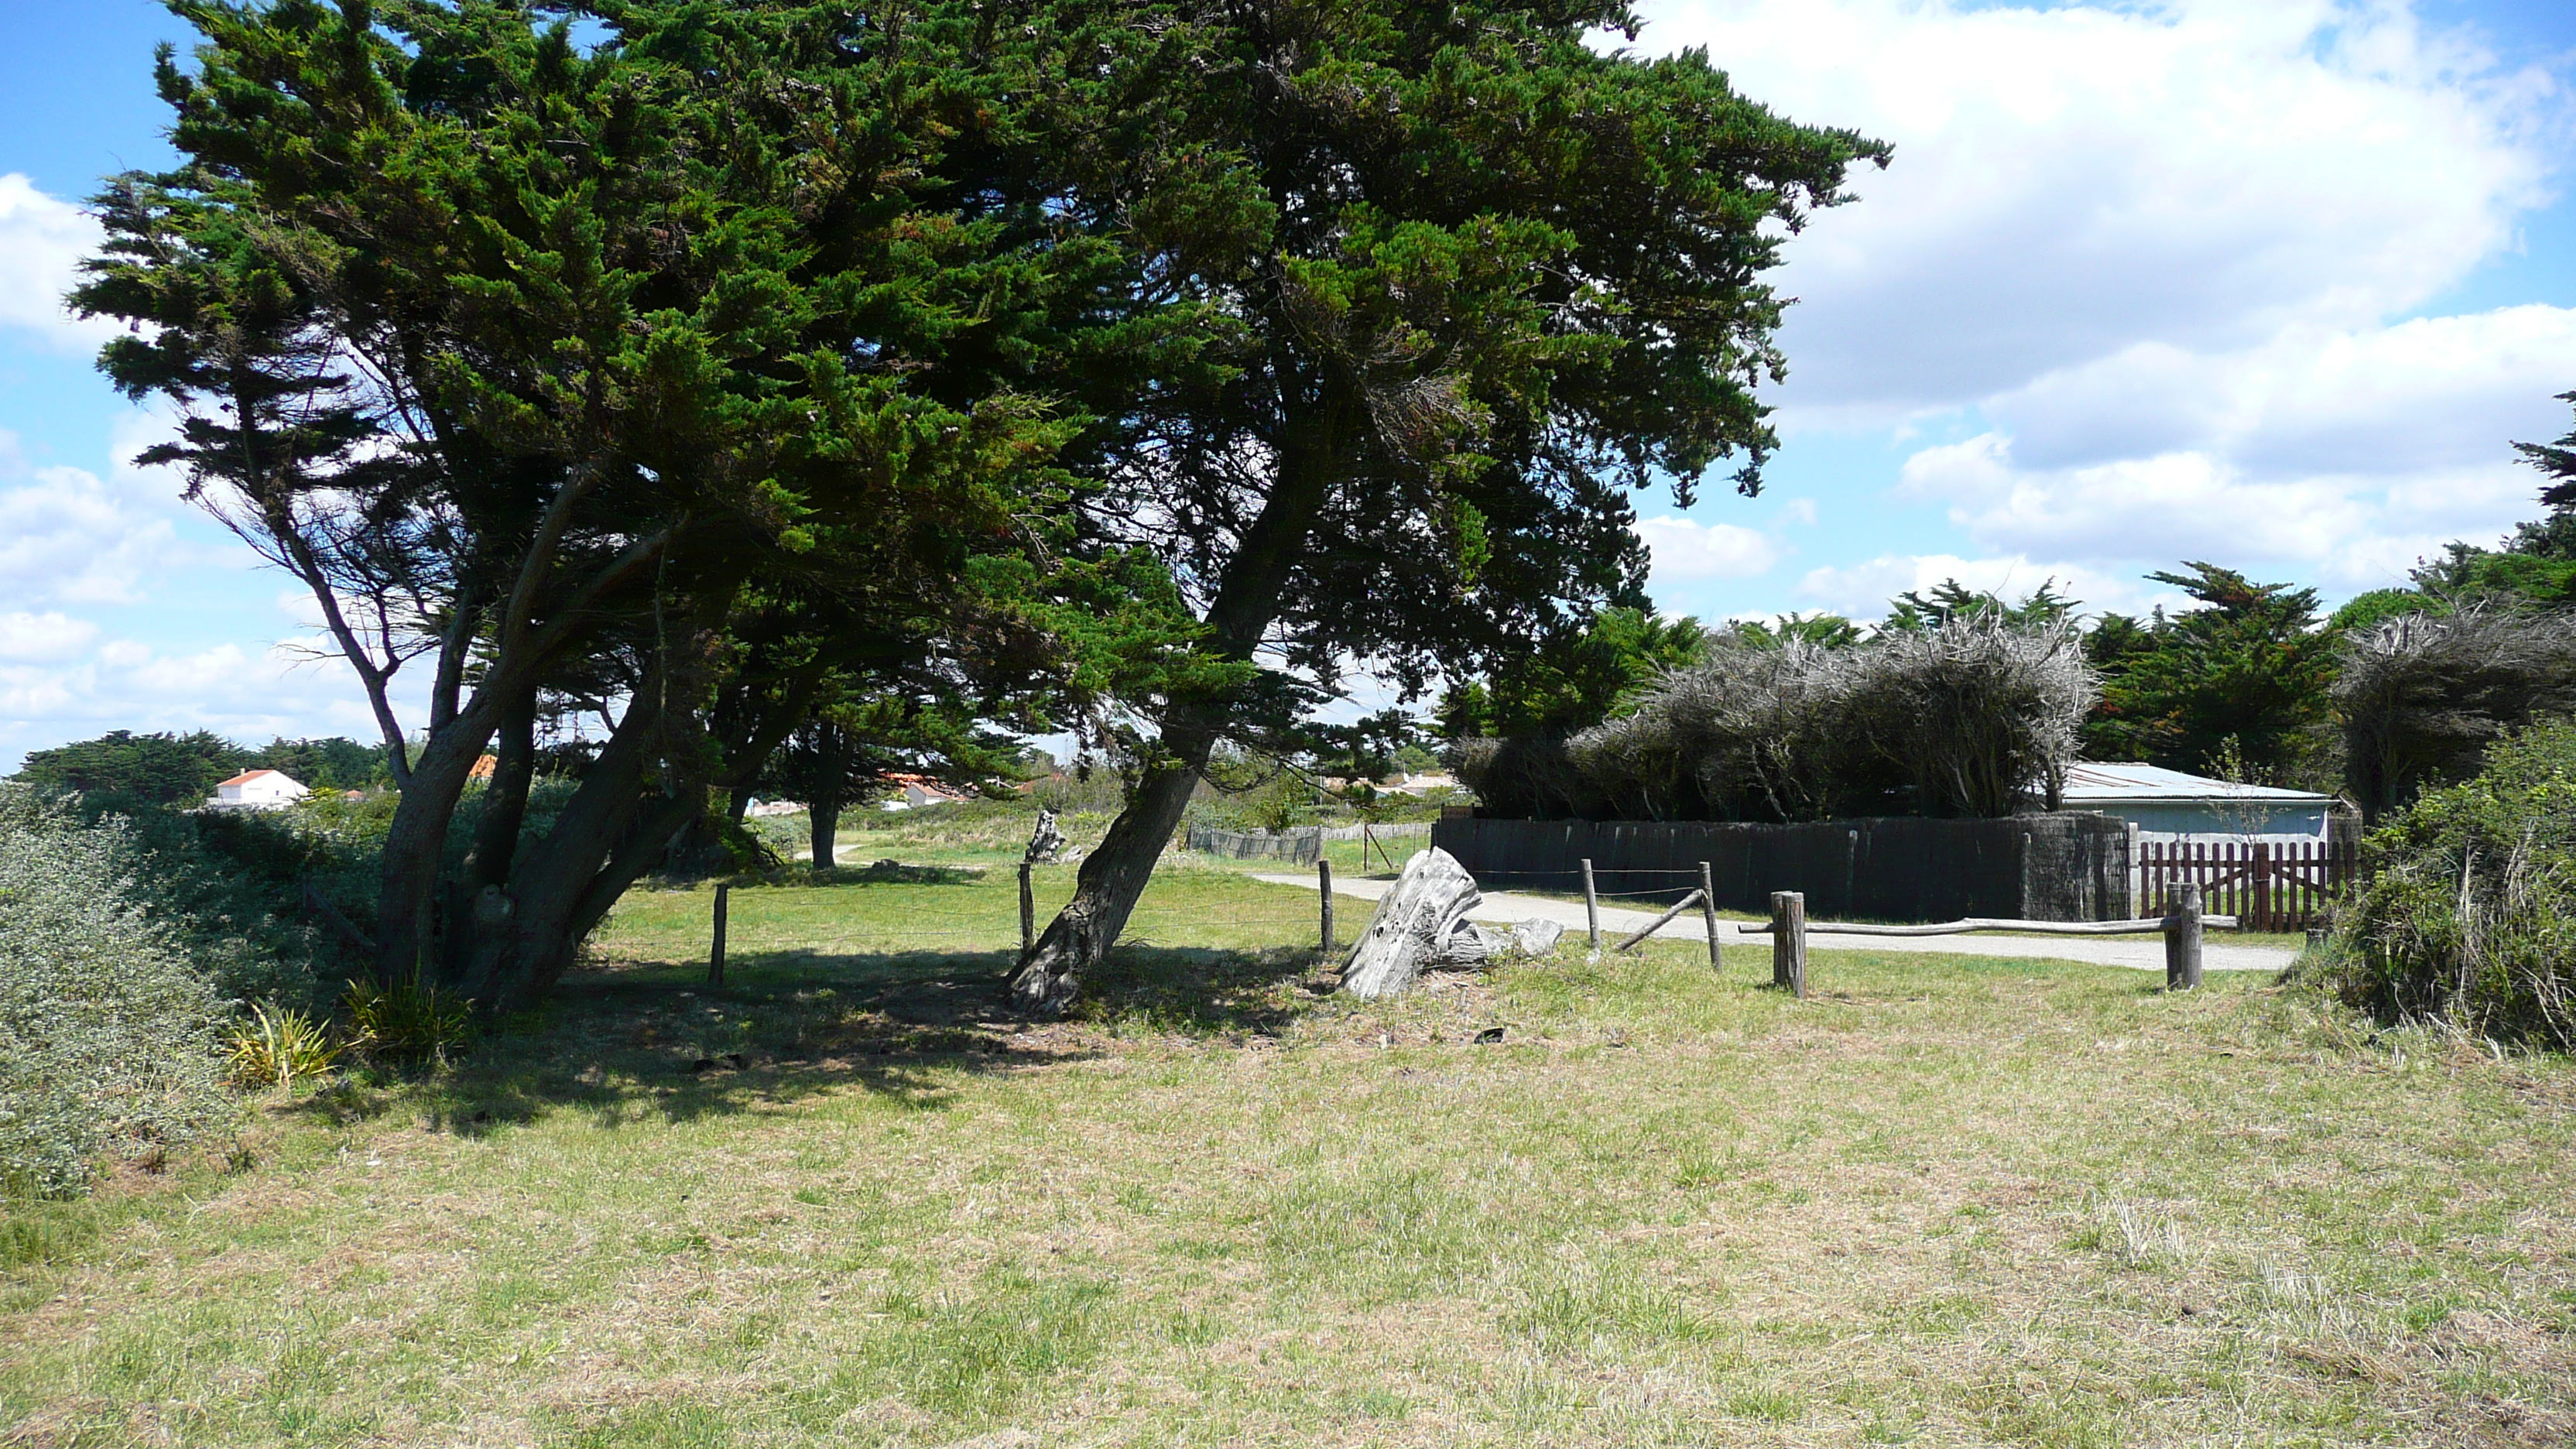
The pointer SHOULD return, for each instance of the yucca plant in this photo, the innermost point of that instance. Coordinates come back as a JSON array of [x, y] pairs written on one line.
[[275, 1049], [409, 1021]]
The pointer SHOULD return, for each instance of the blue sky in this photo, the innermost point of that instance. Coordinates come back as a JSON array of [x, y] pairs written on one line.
[[2271, 283]]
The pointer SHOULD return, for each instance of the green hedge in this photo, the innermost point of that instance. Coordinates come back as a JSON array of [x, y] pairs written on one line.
[[2469, 916]]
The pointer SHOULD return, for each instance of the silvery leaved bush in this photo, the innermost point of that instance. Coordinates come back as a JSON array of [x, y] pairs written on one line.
[[1976, 716], [107, 1030]]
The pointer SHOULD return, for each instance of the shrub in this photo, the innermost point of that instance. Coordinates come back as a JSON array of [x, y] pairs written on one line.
[[2421, 695], [107, 1032], [2470, 912], [1976, 716]]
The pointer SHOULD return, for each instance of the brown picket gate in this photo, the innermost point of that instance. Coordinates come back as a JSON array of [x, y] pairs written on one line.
[[2266, 886]]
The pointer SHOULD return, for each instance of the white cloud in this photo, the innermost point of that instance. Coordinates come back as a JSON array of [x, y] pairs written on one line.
[[2385, 402], [42, 240], [2166, 251], [1862, 590], [1686, 549], [66, 536], [43, 638], [2073, 181], [247, 693]]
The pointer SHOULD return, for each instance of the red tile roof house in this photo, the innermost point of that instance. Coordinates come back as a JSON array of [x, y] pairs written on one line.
[[912, 790], [257, 790]]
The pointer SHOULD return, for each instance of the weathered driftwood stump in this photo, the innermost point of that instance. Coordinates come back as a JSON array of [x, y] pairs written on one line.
[[1046, 847], [1537, 938], [1419, 924]]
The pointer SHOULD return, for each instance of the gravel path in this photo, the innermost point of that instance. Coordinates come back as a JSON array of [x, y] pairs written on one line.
[[2142, 953]]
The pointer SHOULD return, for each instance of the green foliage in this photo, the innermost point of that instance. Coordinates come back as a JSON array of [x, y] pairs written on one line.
[[1824, 631], [1464, 280], [324, 764], [273, 1049], [409, 1022], [2367, 611], [2470, 911], [107, 1032], [1914, 611], [158, 769], [1574, 680], [860, 735], [2250, 664], [2556, 462], [2544, 574], [654, 376]]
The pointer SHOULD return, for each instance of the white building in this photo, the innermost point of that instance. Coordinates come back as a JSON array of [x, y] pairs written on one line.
[[2170, 805], [257, 790]]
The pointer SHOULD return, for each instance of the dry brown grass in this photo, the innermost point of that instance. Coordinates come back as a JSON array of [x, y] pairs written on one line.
[[1946, 1202]]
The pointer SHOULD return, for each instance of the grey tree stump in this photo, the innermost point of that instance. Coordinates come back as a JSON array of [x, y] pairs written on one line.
[[1420, 924], [1046, 845]]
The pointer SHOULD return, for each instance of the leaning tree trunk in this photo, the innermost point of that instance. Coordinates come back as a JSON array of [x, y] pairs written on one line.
[[1112, 877]]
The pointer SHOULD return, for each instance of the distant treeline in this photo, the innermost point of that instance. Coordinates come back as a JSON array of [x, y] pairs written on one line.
[[181, 769]]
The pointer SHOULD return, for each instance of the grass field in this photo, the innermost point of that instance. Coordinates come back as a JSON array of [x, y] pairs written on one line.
[[1946, 1201]]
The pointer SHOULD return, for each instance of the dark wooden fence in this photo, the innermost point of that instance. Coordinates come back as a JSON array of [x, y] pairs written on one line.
[[2267, 886], [2056, 867], [1298, 847]]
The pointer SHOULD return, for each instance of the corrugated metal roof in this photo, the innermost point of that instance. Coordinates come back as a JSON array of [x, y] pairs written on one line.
[[2093, 783]]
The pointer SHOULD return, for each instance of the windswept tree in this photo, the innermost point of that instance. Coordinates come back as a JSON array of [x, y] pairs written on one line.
[[2245, 676], [663, 369], [1572, 680], [1480, 279]]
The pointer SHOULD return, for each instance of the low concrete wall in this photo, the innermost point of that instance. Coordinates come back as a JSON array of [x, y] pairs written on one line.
[[2056, 867]]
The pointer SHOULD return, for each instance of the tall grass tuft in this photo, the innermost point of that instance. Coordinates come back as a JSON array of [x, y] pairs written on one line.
[[408, 1022], [273, 1049]]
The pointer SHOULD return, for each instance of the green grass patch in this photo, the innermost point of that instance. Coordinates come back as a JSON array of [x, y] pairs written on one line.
[[1949, 1200]]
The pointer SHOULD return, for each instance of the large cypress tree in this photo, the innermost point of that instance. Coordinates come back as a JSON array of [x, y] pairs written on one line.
[[1472, 280], [676, 373]]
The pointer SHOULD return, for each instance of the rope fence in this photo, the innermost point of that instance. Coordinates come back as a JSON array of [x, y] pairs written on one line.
[[2182, 923]]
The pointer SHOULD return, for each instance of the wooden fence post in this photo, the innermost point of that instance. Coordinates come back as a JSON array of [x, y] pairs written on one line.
[[2182, 939], [1028, 911], [1789, 941], [715, 957], [1708, 909], [2258, 900], [1591, 907], [1324, 876]]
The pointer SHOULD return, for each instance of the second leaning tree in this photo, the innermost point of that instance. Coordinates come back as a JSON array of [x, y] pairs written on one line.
[[1477, 278]]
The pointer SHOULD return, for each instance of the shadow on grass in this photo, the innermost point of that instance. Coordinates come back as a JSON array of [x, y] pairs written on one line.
[[651, 1040], [884, 872]]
